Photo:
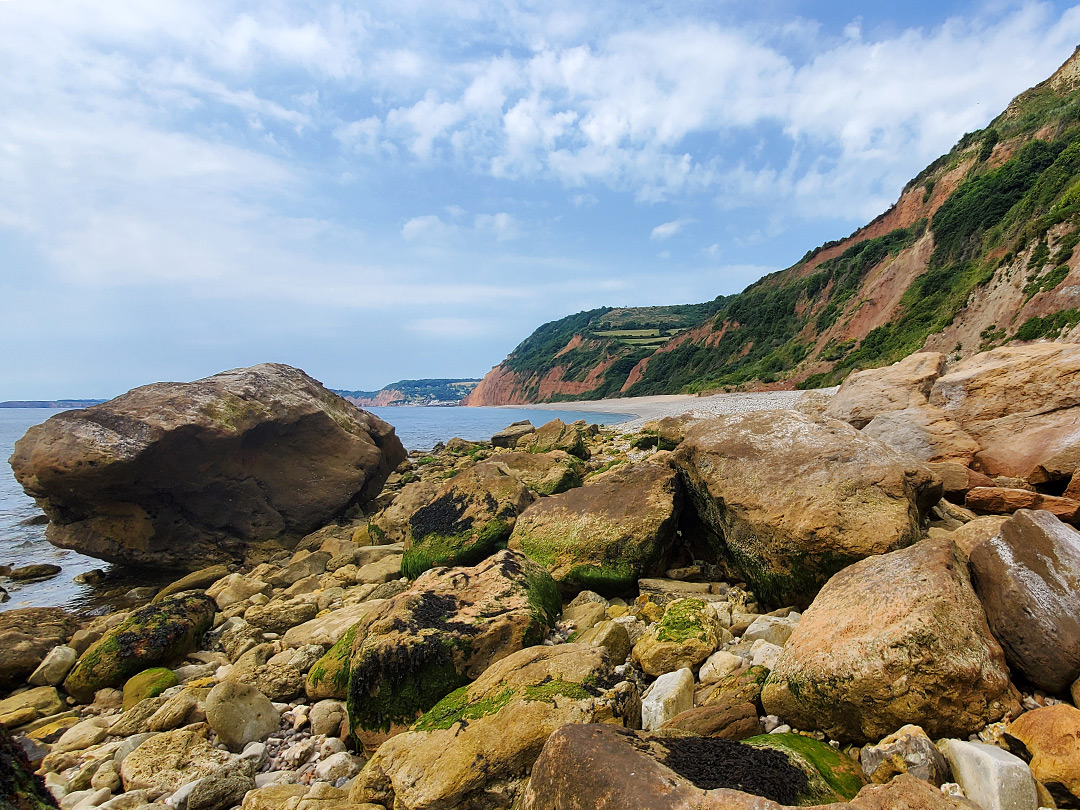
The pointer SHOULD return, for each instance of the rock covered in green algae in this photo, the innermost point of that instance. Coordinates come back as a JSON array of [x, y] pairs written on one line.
[[544, 473], [441, 633], [831, 776], [465, 521], [155, 634], [605, 535], [147, 684], [795, 500], [20, 788], [557, 435], [687, 634]]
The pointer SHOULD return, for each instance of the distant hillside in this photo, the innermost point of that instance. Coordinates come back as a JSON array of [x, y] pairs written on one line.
[[413, 392], [977, 252]]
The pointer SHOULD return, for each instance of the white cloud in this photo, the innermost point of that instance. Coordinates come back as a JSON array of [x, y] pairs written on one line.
[[501, 225], [668, 229], [429, 226]]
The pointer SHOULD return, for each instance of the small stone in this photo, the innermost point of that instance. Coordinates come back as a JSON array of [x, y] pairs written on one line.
[[338, 766], [671, 694], [35, 571], [55, 667], [764, 654], [148, 683], [80, 736], [326, 717], [240, 714], [718, 665], [908, 750]]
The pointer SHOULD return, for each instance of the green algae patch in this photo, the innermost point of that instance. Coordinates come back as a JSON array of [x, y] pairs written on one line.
[[555, 688], [831, 775], [154, 634], [329, 676], [456, 707], [147, 684], [683, 621], [462, 548]]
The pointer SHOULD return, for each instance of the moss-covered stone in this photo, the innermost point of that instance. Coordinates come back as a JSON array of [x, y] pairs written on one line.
[[683, 620], [329, 676], [155, 634], [685, 636], [557, 435], [20, 788], [147, 684], [743, 686], [831, 775]]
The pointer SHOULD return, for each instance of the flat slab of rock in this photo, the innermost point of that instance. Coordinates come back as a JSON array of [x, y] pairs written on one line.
[[26, 636], [1028, 579], [894, 639], [543, 473], [1005, 501], [992, 778], [795, 500], [186, 474], [605, 535]]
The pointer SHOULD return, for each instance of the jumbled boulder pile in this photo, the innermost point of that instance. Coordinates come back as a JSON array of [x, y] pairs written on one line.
[[761, 611]]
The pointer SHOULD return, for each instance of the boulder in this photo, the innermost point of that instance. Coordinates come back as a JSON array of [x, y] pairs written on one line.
[[55, 667], [923, 432], [732, 720], [24, 707], [168, 760], [195, 581], [476, 747], [240, 714], [224, 788], [794, 500], [469, 516], [669, 696], [441, 633], [860, 666], [867, 394], [992, 778], [740, 685], [543, 473], [605, 535], [1048, 739], [391, 525], [830, 775], [688, 633], [155, 634], [557, 435], [328, 629], [278, 617], [611, 636], [907, 750], [976, 532], [236, 588], [1018, 402], [1028, 579], [1006, 501], [509, 435], [26, 637], [278, 679], [188, 474], [606, 768], [957, 480]]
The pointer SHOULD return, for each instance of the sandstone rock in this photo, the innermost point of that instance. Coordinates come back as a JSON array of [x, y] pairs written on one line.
[[606, 534], [992, 778], [719, 665], [155, 634], [26, 637], [1049, 740], [1028, 579], [509, 435], [240, 714], [670, 695], [328, 629], [740, 685], [543, 473], [391, 525], [1018, 402], [236, 588], [81, 735], [584, 616], [25, 573], [55, 667], [557, 435], [184, 475], [773, 629], [977, 532], [866, 394], [223, 788], [907, 750], [135, 720], [327, 716], [449, 627], [687, 634], [830, 775], [923, 432], [168, 760], [381, 571], [42, 701], [195, 581], [476, 746], [278, 617], [146, 684], [238, 638], [469, 516], [859, 666], [1001, 500], [303, 564], [795, 501], [341, 765], [957, 480], [180, 709], [277, 680], [732, 720], [610, 635], [329, 676]]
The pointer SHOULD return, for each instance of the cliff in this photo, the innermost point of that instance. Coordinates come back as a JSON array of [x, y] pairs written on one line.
[[977, 252]]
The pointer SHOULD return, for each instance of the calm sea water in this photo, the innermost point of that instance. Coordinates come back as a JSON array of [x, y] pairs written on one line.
[[22, 538]]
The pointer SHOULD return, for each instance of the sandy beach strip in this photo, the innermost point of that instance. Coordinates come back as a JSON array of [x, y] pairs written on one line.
[[644, 409]]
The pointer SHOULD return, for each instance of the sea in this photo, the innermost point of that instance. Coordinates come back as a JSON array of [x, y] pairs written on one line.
[[22, 524]]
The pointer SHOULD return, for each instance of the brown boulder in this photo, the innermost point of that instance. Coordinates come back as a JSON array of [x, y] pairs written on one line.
[[187, 474], [894, 639], [976, 532], [1028, 579], [26, 636], [605, 535], [557, 435], [543, 473], [957, 480], [1005, 501], [1049, 739], [731, 719], [924, 432], [795, 500], [866, 394], [391, 525]]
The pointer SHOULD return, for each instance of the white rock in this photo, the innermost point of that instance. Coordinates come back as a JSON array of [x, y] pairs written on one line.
[[179, 798], [719, 665], [670, 694], [96, 797], [127, 801], [107, 776], [992, 778], [255, 751], [338, 766], [57, 785], [781, 729], [772, 629], [55, 667], [276, 778], [764, 654], [330, 747], [635, 628], [240, 714]]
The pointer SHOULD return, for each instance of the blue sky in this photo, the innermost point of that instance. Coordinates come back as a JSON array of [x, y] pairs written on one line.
[[388, 190]]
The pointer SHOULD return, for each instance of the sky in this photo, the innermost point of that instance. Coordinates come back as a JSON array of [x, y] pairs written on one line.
[[399, 189]]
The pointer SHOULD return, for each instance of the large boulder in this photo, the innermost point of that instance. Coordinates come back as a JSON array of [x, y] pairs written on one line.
[[26, 637], [164, 762], [1020, 403], [150, 636], [1048, 739], [557, 435], [441, 633], [605, 535], [476, 746], [602, 767], [867, 394], [465, 521], [796, 500], [924, 432], [543, 473], [186, 474], [1028, 579], [894, 639]]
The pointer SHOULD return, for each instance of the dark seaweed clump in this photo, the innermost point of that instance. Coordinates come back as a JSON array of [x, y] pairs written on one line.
[[717, 763]]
